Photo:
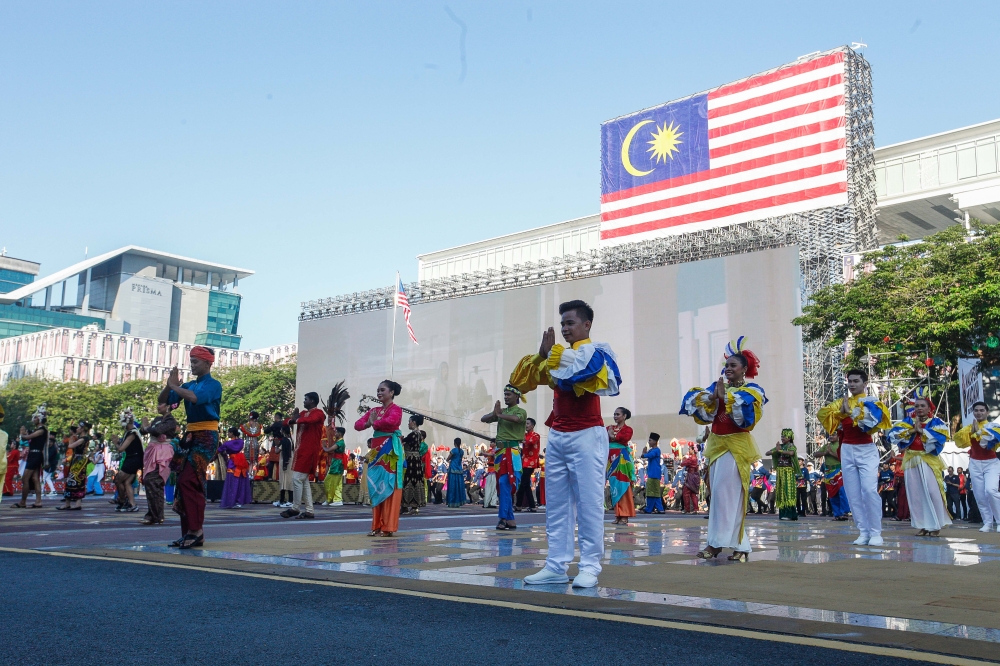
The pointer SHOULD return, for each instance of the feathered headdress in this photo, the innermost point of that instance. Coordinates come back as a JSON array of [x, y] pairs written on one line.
[[334, 406], [736, 347], [126, 417], [924, 393], [41, 413]]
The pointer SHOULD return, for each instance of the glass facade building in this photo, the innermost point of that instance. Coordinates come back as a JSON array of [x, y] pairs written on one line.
[[130, 291]]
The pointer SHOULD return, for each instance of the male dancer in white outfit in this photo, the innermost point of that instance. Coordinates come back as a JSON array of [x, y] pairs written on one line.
[[984, 469], [858, 417], [577, 451]]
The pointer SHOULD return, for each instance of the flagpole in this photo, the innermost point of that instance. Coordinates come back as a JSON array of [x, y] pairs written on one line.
[[392, 356]]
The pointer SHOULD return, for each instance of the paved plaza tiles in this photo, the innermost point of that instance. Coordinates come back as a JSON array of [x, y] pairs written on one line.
[[804, 578]]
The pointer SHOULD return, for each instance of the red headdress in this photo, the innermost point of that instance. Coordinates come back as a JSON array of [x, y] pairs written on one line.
[[203, 353], [736, 347]]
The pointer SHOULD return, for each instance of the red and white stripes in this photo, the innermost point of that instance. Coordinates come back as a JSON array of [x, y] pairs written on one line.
[[777, 145]]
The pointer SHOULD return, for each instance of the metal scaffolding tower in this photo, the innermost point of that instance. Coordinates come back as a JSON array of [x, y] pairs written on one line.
[[823, 236]]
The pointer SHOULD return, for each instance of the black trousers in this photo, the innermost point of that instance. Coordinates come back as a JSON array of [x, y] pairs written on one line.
[[801, 501], [888, 503], [954, 507], [525, 498]]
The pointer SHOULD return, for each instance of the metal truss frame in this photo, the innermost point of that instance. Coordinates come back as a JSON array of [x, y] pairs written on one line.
[[823, 236]]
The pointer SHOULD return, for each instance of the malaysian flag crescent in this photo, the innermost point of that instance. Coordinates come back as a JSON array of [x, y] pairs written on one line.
[[769, 145], [403, 302]]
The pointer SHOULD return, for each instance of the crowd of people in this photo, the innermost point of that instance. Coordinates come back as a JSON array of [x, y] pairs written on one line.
[[867, 468]]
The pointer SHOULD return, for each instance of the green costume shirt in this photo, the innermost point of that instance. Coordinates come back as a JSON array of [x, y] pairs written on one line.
[[508, 431]]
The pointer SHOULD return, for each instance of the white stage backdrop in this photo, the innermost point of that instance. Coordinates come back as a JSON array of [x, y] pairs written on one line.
[[668, 325]]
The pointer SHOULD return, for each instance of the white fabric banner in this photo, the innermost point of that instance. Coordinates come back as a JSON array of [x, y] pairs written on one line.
[[970, 385]]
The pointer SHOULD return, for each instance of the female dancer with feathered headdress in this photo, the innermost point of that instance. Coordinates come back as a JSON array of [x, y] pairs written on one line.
[[733, 407], [922, 436]]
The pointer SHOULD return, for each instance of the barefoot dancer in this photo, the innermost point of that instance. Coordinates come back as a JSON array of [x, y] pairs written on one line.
[[733, 406], [386, 462], [621, 468]]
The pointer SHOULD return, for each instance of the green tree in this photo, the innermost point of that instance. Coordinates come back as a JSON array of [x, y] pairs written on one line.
[[262, 388], [938, 298], [70, 402]]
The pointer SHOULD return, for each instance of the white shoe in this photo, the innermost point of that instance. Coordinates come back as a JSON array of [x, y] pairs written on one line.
[[237, 506], [276, 503], [546, 577], [585, 579], [861, 540], [287, 505], [986, 528], [325, 504], [876, 541], [336, 504]]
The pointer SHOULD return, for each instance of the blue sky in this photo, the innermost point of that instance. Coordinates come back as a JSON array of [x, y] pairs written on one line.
[[325, 145]]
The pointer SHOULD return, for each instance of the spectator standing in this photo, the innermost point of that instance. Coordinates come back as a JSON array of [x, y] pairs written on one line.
[[813, 494], [952, 487], [886, 481], [963, 485], [802, 489]]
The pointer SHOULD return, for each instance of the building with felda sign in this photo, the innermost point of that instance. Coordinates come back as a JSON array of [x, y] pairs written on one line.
[[130, 291], [128, 314]]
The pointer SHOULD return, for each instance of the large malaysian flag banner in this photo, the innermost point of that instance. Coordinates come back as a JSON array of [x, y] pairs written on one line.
[[769, 145]]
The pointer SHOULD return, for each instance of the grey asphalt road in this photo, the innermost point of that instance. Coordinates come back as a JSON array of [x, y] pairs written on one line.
[[78, 612]]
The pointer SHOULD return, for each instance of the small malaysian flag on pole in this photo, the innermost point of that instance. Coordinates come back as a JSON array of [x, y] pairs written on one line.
[[404, 302]]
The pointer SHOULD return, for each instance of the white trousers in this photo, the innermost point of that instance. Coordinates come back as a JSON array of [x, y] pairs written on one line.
[[985, 475], [574, 497], [927, 511], [302, 491], [490, 498], [728, 506], [859, 468], [47, 482]]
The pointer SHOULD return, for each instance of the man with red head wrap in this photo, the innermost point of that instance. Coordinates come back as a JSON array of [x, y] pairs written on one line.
[[202, 398]]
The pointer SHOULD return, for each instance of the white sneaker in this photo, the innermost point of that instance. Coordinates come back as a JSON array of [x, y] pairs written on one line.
[[861, 540], [276, 503], [876, 541], [546, 577], [336, 504], [585, 579], [287, 505], [325, 504]]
